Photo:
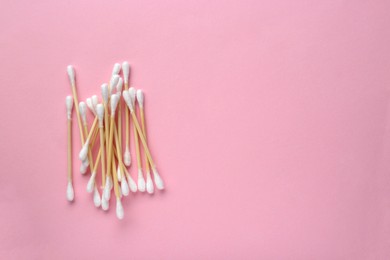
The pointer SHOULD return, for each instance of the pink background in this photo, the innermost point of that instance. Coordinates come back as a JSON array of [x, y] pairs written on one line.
[[268, 120]]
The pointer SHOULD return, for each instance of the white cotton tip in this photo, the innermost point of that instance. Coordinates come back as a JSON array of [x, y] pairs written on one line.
[[113, 82], [127, 98], [125, 188], [96, 198], [126, 71], [95, 101], [119, 173], [83, 111], [107, 193], [119, 86], [69, 106], [83, 168], [100, 114], [85, 162], [149, 184], [133, 94], [114, 103], [127, 157], [157, 180], [105, 203], [141, 181], [104, 88], [91, 182], [71, 75], [70, 192], [90, 105], [84, 151], [119, 209], [110, 184], [140, 98], [132, 184], [116, 69]]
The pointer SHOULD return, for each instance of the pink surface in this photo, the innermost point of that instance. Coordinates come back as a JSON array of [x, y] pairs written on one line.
[[268, 120]]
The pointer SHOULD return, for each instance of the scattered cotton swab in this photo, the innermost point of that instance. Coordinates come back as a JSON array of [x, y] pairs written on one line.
[[69, 107], [100, 114], [140, 101], [72, 79], [141, 181], [126, 155]]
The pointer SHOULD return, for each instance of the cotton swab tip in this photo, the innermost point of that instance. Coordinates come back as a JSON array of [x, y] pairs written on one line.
[[107, 191], [90, 105], [104, 88], [110, 183], [118, 173], [119, 209], [85, 162], [83, 168], [133, 93], [69, 106], [100, 114], [114, 103], [132, 184], [125, 188], [91, 182], [116, 69], [141, 181], [126, 71], [140, 98], [95, 101], [127, 98], [113, 82], [149, 184], [127, 157], [96, 198], [105, 203], [84, 151], [157, 179], [71, 75], [70, 192], [83, 112]]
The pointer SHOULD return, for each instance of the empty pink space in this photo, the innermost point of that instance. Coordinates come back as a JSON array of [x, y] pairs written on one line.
[[269, 122]]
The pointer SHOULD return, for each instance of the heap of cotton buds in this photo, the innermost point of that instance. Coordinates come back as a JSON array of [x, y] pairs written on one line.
[[113, 154]]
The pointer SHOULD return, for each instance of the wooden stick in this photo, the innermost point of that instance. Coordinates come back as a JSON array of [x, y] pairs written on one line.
[[69, 149], [116, 186], [90, 159], [93, 128], [127, 127], [120, 123], [98, 159], [119, 151], [94, 137], [126, 73], [142, 137], [103, 155], [106, 127], [147, 167], [137, 149], [69, 190], [109, 155]]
